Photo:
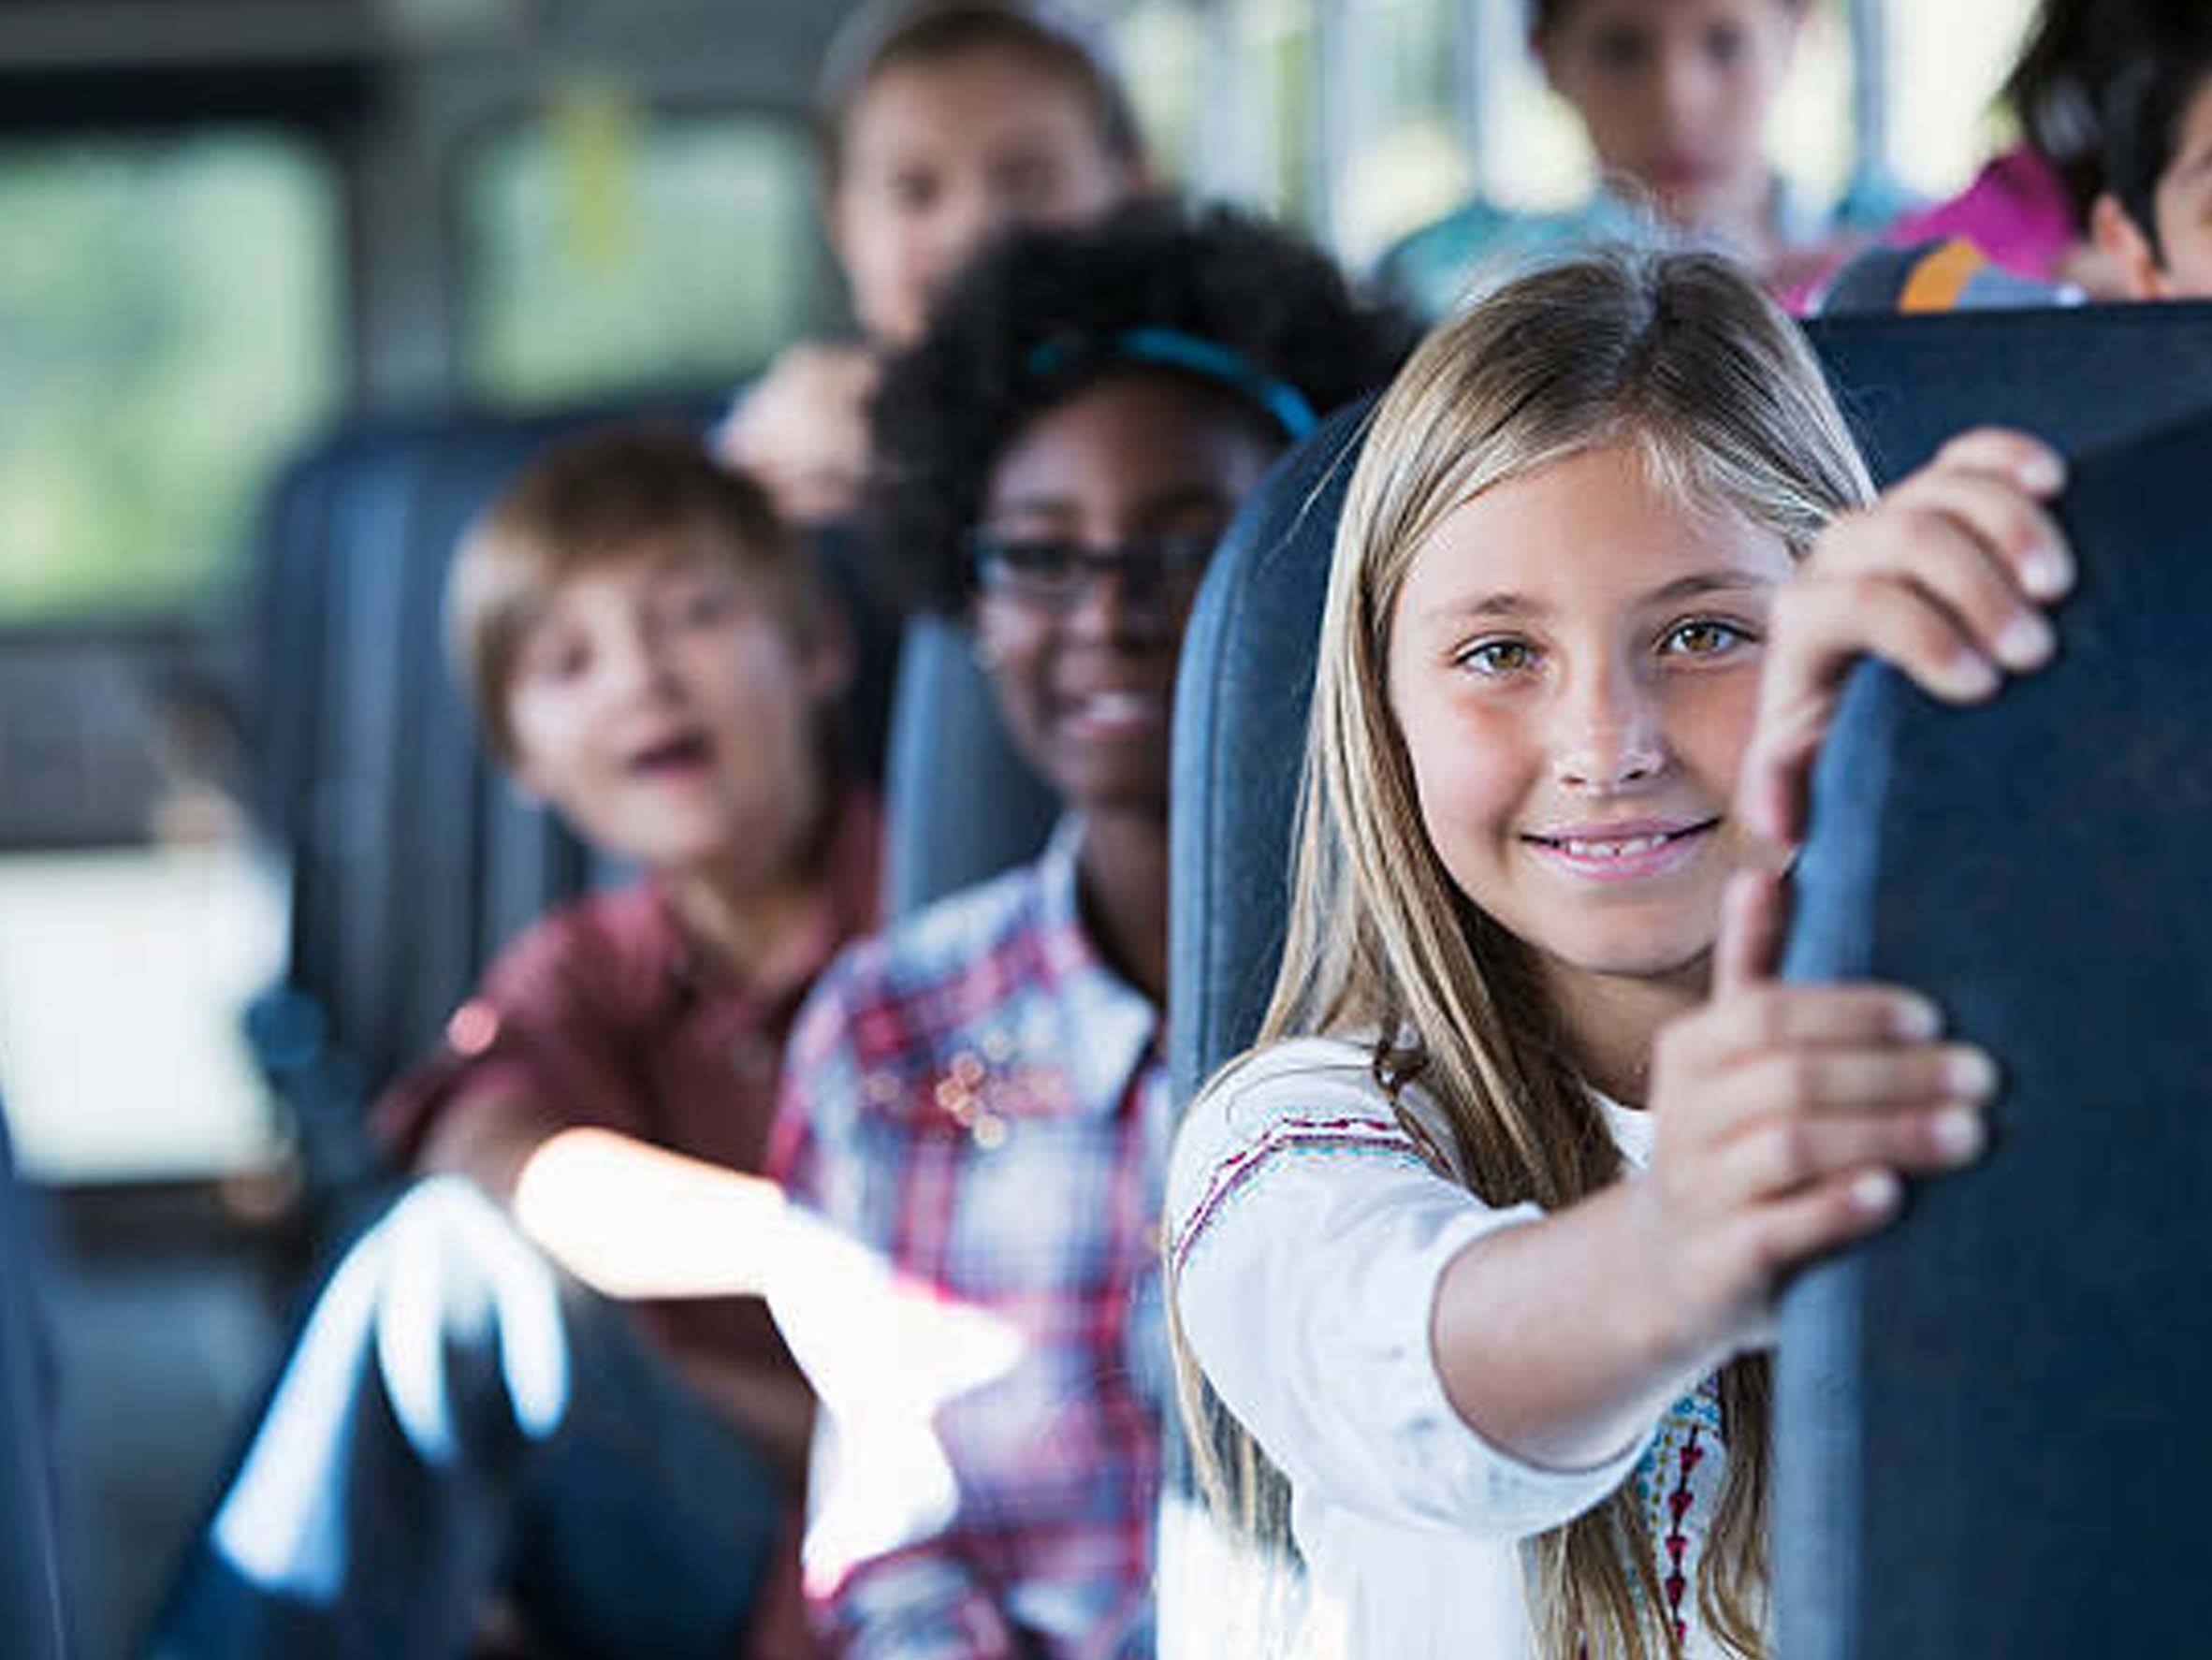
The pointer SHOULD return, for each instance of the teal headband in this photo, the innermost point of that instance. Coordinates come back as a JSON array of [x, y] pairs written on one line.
[[1171, 348]]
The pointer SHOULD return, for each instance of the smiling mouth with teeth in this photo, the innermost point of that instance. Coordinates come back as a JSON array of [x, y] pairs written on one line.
[[1619, 847]]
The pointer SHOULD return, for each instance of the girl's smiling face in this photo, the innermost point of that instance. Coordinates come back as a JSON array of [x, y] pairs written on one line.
[[1087, 680], [1574, 663]]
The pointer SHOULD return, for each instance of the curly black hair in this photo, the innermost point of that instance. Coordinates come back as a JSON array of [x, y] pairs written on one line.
[[950, 405]]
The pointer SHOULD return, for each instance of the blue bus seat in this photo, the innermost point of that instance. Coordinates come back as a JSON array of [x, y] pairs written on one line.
[[1241, 693], [1991, 1421], [961, 802], [34, 1622]]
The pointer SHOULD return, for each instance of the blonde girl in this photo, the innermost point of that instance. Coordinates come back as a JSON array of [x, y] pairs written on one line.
[[1477, 1250]]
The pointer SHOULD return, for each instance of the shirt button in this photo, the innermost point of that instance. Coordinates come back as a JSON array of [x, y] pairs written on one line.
[[990, 1131]]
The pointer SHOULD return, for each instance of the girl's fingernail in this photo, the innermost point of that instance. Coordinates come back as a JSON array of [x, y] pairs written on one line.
[[2026, 641], [2042, 473], [2047, 573], [1877, 1192], [1959, 1134], [1975, 677], [1915, 1018], [1972, 1074]]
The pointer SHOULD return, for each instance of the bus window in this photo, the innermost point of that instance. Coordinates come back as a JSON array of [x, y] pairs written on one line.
[[1942, 127], [168, 329], [1260, 135], [607, 246], [1161, 47], [1399, 158], [170, 311]]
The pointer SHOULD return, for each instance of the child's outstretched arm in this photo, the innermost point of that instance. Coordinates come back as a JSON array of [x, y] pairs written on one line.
[[1945, 578], [1783, 1114]]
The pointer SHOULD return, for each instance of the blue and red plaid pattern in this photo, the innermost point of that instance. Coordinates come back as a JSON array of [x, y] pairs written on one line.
[[977, 1095]]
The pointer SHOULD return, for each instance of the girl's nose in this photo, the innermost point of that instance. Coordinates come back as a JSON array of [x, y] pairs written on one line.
[[1608, 735], [1686, 86]]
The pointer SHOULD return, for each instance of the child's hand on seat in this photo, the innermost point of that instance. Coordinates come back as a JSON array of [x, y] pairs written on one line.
[[802, 431], [1945, 578], [1784, 1116]]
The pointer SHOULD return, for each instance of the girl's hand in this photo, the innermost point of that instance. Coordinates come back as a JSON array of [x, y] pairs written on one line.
[[802, 431], [1785, 1117], [1945, 578]]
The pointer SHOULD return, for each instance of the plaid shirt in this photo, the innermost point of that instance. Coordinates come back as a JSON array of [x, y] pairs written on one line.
[[977, 1095]]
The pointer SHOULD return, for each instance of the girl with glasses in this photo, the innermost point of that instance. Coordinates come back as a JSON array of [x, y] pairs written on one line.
[[980, 1093]]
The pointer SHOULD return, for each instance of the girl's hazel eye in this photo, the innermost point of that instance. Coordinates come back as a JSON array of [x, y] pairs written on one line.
[[1703, 636], [1498, 656]]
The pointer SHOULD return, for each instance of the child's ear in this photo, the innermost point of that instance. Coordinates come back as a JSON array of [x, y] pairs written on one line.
[[2121, 241]]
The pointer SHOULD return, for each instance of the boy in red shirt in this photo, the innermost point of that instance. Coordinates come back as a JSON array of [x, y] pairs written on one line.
[[649, 654]]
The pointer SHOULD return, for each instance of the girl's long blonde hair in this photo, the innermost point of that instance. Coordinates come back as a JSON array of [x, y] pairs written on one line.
[[1682, 359]]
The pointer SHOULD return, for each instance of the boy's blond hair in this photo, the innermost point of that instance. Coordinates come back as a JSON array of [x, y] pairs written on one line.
[[597, 500]]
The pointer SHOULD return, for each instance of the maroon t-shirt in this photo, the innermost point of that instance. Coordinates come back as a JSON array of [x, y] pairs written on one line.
[[605, 1014]]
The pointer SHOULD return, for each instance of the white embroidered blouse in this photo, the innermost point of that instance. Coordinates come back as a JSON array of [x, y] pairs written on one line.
[[1308, 1234]]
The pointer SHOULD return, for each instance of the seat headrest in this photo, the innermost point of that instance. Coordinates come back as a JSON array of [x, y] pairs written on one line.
[[2025, 1351], [961, 802], [1241, 700]]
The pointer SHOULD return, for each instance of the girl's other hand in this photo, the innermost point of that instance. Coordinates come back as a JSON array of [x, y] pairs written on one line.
[[1785, 1117], [802, 431], [1944, 578]]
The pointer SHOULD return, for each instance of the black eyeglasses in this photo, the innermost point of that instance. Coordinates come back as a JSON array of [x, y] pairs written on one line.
[[1051, 571]]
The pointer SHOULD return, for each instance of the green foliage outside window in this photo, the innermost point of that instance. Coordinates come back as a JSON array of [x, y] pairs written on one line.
[[608, 248], [168, 329]]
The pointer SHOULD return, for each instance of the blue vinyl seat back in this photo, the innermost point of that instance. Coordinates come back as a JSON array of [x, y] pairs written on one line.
[[412, 861], [1992, 1422], [961, 802], [1241, 693], [2081, 378], [35, 1623]]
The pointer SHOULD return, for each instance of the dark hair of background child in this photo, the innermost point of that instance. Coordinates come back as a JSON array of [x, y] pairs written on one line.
[[950, 405], [2144, 109]]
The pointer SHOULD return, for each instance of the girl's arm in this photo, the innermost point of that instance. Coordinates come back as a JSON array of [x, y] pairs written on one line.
[[1784, 1114]]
